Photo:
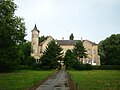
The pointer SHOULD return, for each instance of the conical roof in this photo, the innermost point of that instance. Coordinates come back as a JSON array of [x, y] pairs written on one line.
[[35, 28]]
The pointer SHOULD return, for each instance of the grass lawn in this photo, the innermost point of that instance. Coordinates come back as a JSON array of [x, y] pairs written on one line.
[[21, 80], [97, 79]]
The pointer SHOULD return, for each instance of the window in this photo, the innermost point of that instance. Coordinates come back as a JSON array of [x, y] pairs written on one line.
[[88, 51], [94, 60], [89, 60], [37, 60], [94, 51]]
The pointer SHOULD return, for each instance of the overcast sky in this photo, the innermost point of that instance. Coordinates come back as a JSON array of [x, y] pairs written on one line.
[[91, 19]]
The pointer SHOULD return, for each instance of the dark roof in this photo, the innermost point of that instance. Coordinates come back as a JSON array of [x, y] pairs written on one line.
[[72, 42], [67, 42], [35, 28]]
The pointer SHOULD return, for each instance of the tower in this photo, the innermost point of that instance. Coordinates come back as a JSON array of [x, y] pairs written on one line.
[[35, 40]]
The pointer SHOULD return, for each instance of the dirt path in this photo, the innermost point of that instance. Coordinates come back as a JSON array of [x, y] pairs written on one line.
[[58, 81]]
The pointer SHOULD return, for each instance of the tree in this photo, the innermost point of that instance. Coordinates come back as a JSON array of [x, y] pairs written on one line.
[[25, 54], [52, 56], [101, 52], [71, 37], [42, 38], [109, 50], [79, 50], [69, 59], [12, 33]]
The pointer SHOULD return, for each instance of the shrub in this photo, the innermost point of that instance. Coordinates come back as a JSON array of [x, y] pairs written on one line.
[[88, 67], [46, 68], [6, 67], [22, 67], [37, 66], [107, 67], [30, 61], [80, 66]]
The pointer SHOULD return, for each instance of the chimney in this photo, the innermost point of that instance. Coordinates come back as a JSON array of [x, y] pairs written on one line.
[[81, 38]]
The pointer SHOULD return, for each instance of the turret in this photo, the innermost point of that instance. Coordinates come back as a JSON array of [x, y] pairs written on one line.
[[35, 40]]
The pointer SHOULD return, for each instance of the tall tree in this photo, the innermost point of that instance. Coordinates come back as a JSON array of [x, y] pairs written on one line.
[[42, 38], [25, 53], [79, 50], [71, 37], [101, 52], [52, 56], [109, 50], [69, 59], [12, 33]]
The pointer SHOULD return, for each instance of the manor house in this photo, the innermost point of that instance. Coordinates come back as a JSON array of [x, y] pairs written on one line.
[[38, 48]]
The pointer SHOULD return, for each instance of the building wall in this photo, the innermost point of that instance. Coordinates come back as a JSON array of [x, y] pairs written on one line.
[[66, 47], [91, 51], [45, 43]]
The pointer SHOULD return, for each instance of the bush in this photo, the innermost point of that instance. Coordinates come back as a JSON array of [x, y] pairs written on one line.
[[46, 68], [107, 67], [37, 66], [6, 67], [80, 66], [22, 67], [30, 61], [88, 67]]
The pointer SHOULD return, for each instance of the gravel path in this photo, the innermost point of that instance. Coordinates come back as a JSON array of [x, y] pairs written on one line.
[[58, 81]]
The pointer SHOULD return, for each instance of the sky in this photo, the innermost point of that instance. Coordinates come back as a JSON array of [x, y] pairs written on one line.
[[93, 20]]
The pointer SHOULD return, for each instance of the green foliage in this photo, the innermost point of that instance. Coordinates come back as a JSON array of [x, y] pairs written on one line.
[[71, 37], [88, 67], [109, 50], [79, 66], [25, 54], [42, 38], [69, 59], [51, 56], [79, 50], [6, 67], [107, 67], [37, 66], [30, 61], [12, 33]]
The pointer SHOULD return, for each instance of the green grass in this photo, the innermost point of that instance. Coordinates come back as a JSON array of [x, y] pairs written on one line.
[[22, 79], [96, 79]]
